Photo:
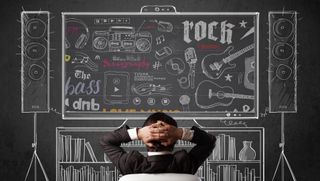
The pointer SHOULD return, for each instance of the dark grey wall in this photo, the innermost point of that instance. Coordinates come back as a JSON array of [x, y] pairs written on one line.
[[16, 129]]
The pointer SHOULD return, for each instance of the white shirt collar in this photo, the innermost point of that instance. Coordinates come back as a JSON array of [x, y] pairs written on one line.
[[156, 153]]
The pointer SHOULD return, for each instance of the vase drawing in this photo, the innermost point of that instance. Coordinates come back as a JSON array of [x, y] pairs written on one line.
[[247, 153]]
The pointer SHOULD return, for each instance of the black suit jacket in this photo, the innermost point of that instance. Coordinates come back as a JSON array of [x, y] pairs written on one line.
[[178, 162]]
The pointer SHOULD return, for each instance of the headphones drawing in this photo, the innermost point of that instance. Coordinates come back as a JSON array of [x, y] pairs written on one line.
[[82, 39]]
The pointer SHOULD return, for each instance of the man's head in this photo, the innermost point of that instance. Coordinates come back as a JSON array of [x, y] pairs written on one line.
[[154, 118]]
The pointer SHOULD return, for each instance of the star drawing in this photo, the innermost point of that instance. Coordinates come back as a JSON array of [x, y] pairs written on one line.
[[243, 24], [228, 77]]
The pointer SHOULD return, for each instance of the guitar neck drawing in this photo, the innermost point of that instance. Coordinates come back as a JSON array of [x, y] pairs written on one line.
[[221, 95], [213, 65]]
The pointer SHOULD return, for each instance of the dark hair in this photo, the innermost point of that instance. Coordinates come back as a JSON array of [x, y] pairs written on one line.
[[153, 118]]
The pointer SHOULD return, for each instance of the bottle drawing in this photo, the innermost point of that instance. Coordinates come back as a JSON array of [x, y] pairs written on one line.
[[247, 153]]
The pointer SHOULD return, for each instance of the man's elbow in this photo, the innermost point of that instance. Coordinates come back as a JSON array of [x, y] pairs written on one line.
[[105, 139]]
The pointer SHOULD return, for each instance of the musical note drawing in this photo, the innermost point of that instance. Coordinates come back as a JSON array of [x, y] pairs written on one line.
[[163, 53], [156, 65], [160, 39], [83, 60]]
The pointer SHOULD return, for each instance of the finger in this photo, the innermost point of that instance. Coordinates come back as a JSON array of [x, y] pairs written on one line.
[[158, 123], [163, 136], [157, 136], [160, 135], [166, 142], [154, 125], [154, 130], [158, 130], [152, 137], [164, 128], [150, 145], [163, 123]]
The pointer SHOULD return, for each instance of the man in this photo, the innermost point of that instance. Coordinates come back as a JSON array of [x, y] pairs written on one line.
[[159, 133]]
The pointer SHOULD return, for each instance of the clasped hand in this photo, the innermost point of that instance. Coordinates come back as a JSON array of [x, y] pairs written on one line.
[[159, 131]]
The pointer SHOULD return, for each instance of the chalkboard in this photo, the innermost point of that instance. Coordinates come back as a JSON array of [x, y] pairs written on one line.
[[190, 65], [302, 133]]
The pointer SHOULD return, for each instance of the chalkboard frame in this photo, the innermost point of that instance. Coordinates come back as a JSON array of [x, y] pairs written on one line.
[[205, 115]]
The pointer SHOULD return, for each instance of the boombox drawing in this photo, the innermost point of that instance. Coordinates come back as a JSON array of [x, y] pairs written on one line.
[[122, 39]]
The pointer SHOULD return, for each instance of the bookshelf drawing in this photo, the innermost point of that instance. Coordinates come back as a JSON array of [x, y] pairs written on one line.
[[79, 156], [237, 156]]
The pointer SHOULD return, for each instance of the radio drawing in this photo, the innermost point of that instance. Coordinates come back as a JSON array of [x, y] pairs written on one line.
[[121, 39]]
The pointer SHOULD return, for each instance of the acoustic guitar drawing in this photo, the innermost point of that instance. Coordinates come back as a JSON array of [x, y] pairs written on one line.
[[209, 95]]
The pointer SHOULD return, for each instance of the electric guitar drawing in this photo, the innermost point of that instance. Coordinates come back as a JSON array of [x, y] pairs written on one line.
[[213, 65], [209, 95]]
